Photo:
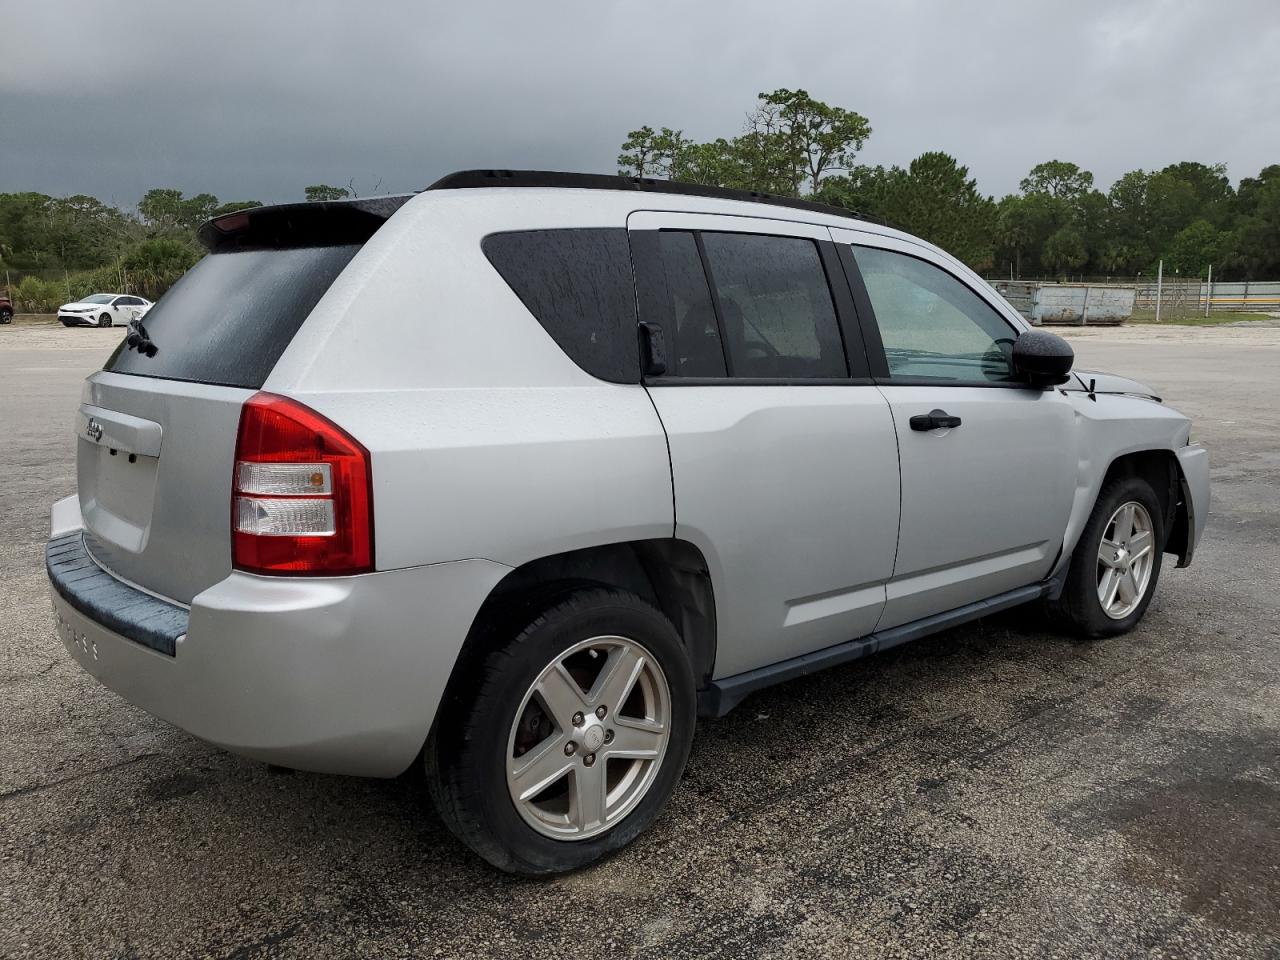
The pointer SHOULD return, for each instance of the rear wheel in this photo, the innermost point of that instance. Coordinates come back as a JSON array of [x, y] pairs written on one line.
[[1116, 564], [104, 320], [574, 739], [6, 315]]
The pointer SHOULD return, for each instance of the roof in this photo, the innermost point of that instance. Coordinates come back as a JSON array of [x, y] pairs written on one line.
[[470, 179]]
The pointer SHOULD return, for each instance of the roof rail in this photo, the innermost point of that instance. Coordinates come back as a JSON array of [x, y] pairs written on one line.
[[600, 181]]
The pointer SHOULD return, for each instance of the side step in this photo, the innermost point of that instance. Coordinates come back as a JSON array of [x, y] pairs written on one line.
[[721, 696]]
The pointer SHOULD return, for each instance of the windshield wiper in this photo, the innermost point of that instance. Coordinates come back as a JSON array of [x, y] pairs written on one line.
[[139, 340]]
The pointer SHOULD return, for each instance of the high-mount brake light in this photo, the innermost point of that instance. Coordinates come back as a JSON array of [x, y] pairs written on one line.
[[302, 493]]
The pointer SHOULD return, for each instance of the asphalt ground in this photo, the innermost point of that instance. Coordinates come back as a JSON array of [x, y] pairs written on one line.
[[998, 790]]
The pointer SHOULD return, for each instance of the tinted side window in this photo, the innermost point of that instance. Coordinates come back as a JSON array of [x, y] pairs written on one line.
[[933, 325], [697, 351], [776, 313], [578, 285]]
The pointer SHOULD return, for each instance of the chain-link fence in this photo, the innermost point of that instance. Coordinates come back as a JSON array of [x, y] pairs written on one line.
[[1087, 299], [1174, 299]]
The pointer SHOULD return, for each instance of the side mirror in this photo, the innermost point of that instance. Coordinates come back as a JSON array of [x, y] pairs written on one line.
[[1042, 358]]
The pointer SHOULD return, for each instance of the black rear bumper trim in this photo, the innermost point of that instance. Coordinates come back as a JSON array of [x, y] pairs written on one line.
[[115, 605]]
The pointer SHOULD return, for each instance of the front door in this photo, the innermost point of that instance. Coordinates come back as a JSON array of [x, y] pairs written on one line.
[[988, 464], [783, 458]]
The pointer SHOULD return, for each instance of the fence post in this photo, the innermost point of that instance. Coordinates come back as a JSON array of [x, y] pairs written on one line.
[[1159, 288]]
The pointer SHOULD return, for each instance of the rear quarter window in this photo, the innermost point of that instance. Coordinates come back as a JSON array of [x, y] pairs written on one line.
[[230, 317], [578, 285]]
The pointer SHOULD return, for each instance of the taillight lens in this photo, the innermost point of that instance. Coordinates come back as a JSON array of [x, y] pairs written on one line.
[[302, 500]]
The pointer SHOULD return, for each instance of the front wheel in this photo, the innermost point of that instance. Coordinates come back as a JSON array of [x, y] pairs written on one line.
[[6, 315], [575, 737], [1116, 564], [104, 320]]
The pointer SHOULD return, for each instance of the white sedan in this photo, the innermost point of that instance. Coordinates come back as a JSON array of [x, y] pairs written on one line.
[[103, 310]]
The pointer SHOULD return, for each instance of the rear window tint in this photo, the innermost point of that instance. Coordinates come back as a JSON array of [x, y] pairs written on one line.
[[578, 284], [228, 320]]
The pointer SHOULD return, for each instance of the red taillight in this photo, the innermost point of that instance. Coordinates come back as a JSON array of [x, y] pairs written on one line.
[[302, 500]]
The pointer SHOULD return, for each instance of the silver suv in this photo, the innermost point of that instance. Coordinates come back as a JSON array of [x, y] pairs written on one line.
[[516, 476]]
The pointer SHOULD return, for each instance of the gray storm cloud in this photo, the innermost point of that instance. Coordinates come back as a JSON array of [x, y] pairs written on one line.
[[256, 100]]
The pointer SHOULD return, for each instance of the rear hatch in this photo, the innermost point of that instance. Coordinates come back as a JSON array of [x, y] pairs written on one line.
[[157, 427]]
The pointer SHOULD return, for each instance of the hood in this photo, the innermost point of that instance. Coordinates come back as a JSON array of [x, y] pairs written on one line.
[[1108, 383], [81, 305]]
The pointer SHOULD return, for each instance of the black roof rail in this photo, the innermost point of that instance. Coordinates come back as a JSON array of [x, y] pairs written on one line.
[[600, 181]]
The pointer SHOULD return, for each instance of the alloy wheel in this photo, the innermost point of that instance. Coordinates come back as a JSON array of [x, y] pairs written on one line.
[[588, 738], [1126, 557]]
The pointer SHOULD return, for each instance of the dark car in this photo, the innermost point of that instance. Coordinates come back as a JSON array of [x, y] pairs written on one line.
[[6, 310]]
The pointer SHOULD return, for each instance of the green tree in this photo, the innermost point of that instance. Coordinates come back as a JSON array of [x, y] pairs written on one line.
[[790, 142], [935, 198], [1196, 247], [322, 191], [1255, 242], [1065, 250], [1015, 230], [805, 139], [649, 153], [1059, 179], [161, 208]]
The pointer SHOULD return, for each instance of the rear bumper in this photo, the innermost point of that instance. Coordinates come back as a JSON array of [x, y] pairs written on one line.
[[337, 675]]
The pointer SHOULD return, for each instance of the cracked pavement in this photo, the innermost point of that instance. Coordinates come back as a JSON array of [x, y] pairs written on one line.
[[998, 790]]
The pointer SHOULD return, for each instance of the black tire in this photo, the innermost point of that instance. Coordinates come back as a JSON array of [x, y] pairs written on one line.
[[466, 754], [104, 320], [6, 315], [1079, 603]]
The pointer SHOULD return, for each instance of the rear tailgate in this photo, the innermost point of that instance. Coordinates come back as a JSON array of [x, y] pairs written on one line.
[[157, 427]]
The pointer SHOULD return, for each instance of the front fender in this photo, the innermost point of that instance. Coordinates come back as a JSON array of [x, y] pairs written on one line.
[[1193, 469], [1108, 427]]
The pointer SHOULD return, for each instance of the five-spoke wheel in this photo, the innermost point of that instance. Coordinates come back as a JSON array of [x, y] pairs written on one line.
[[588, 738], [1116, 561], [1125, 557], [560, 744]]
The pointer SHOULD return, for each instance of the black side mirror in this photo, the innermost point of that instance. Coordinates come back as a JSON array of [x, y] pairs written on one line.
[[1042, 358]]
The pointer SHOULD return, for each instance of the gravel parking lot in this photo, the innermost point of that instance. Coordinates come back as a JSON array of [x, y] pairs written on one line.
[[997, 790]]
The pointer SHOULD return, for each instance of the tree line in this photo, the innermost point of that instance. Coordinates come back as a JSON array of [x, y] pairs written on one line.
[[1058, 223], [56, 249]]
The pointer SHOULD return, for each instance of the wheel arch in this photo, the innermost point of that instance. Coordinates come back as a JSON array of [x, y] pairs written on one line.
[[670, 573], [1161, 469]]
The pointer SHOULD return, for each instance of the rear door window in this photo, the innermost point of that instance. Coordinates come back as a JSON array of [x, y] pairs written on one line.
[[578, 284], [777, 316], [698, 350], [228, 320]]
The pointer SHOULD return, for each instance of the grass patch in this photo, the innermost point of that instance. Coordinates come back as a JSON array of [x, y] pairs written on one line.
[[1215, 319]]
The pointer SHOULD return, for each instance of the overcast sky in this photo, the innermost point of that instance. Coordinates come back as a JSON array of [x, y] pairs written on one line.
[[254, 100]]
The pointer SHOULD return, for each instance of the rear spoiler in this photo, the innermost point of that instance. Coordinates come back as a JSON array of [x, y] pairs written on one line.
[[309, 224]]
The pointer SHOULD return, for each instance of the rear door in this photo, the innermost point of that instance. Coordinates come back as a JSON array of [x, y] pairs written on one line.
[[783, 458], [984, 502], [157, 429]]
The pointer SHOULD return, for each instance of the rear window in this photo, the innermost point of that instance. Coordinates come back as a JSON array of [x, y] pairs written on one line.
[[578, 284], [228, 320]]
